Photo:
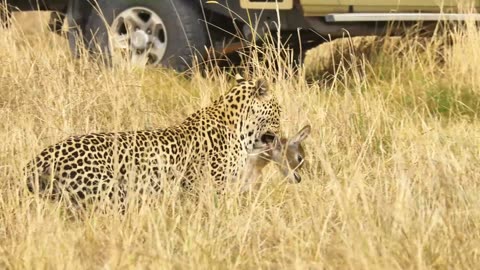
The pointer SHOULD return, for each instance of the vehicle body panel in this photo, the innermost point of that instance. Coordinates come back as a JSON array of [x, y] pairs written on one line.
[[316, 8], [321, 8], [280, 4], [413, 6]]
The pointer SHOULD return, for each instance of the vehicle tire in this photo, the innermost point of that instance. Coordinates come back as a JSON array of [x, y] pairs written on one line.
[[155, 32]]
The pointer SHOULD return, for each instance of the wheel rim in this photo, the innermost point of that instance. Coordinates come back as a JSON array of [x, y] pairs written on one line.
[[141, 33]]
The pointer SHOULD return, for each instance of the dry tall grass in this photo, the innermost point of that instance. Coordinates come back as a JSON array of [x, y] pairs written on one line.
[[392, 180]]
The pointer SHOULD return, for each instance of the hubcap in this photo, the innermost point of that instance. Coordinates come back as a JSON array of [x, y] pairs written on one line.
[[140, 33]]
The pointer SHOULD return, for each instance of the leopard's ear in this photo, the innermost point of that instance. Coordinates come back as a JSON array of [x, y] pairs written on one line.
[[239, 78], [261, 87]]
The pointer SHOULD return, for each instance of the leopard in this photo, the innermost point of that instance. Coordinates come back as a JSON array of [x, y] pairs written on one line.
[[215, 141]]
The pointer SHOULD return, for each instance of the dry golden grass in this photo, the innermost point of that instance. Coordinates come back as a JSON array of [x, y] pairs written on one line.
[[392, 180]]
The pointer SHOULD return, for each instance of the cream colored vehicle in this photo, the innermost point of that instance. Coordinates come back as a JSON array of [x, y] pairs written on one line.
[[171, 33], [318, 21]]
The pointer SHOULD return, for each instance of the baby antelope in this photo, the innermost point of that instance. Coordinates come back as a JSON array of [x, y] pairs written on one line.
[[288, 155]]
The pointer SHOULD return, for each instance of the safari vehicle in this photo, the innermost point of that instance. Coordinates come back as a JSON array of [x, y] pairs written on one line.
[[172, 32]]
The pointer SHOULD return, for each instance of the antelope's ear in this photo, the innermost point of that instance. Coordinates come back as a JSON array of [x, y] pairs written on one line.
[[261, 87], [239, 78], [301, 135]]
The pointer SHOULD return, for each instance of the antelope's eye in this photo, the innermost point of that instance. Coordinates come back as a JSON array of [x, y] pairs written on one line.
[[299, 158]]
